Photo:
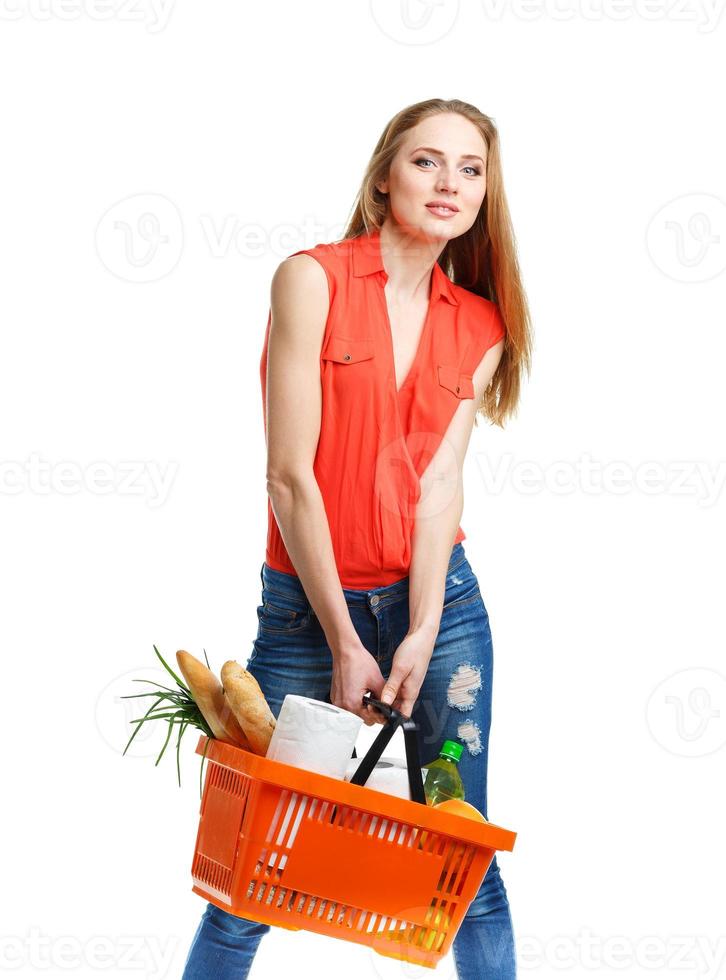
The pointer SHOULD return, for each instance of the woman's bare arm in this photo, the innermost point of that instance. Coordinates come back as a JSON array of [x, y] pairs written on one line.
[[441, 505], [438, 514], [299, 307]]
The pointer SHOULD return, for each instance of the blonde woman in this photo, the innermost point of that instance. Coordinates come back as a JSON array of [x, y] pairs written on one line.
[[380, 350]]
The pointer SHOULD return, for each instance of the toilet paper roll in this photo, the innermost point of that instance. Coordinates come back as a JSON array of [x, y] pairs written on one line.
[[314, 735], [389, 776]]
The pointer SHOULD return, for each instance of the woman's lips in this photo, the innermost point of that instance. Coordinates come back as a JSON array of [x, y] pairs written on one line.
[[441, 211]]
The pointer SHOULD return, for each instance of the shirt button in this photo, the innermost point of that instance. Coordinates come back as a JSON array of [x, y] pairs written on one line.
[[346, 357], [375, 600], [457, 389]]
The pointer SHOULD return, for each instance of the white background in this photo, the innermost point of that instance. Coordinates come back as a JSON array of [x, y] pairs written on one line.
[[594, 521]]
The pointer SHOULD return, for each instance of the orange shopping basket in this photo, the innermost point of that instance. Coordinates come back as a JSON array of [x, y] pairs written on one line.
[[291, 848]]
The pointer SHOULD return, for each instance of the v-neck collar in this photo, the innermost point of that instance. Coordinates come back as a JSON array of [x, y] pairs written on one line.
[[367, 260]]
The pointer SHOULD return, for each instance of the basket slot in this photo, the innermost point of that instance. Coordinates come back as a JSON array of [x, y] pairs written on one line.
[[312, 907], [227, 780], [213, 876], [463, 876], [451, 867], [297, 807], [288, 816], [223, 806], [273, 864], [281, 804]]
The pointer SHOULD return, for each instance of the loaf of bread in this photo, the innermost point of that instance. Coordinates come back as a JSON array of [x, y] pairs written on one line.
[[211, 701], [249, 705]]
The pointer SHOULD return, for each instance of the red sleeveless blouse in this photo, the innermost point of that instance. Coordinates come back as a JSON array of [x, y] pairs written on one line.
[[375, 442]]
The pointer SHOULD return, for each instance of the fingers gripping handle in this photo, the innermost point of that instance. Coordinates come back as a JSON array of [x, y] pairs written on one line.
[[374, 753]]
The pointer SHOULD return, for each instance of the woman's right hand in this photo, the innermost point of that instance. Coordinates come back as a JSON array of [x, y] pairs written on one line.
[[355, 673]]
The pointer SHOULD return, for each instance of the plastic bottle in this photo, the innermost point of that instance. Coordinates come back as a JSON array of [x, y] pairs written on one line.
[[443, 780]]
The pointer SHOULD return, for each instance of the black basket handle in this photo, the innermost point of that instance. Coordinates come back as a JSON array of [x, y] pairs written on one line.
[[394, 718]]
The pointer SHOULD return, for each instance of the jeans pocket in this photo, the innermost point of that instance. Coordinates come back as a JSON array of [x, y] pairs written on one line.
[[282, 614], [462, 587]]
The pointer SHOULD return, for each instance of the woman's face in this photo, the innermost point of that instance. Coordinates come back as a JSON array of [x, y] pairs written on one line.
[[442, 159]]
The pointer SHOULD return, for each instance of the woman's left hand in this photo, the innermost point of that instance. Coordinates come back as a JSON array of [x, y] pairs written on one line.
[[408, 670]]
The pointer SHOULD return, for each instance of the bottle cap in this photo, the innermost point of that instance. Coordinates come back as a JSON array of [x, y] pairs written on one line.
[[451, 750]]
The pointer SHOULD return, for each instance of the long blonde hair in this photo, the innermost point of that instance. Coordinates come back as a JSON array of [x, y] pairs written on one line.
[[483, 260]]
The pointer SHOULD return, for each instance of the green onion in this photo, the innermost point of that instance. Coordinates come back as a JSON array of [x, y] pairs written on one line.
[[178, 708]]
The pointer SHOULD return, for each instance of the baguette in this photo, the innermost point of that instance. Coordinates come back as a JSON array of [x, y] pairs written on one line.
[[209, 695], [249, 705]]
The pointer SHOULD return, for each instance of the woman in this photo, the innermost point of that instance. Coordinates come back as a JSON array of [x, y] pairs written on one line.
[[374, 366]]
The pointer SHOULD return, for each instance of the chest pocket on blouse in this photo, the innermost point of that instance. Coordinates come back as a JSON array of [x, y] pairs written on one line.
[[460, 384], [344, 350]]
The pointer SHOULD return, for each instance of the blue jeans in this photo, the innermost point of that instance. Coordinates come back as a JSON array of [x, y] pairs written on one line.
[[290, 656]]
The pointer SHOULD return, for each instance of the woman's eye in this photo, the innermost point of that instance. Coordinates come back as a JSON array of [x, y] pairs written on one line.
[[475, 171]]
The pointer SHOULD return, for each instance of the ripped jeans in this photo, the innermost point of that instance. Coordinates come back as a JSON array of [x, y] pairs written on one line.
[[290, 656]]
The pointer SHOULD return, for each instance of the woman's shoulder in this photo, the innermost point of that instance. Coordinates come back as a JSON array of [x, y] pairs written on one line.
[[334, 256], [473, 301], [330, 250], [482, 315]]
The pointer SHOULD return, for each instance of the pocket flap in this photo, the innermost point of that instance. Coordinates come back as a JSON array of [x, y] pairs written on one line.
[[347, 351], [462, 385]]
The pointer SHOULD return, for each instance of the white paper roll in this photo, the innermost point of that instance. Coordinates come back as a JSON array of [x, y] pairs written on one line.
[[389, 776], [314, 735]]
